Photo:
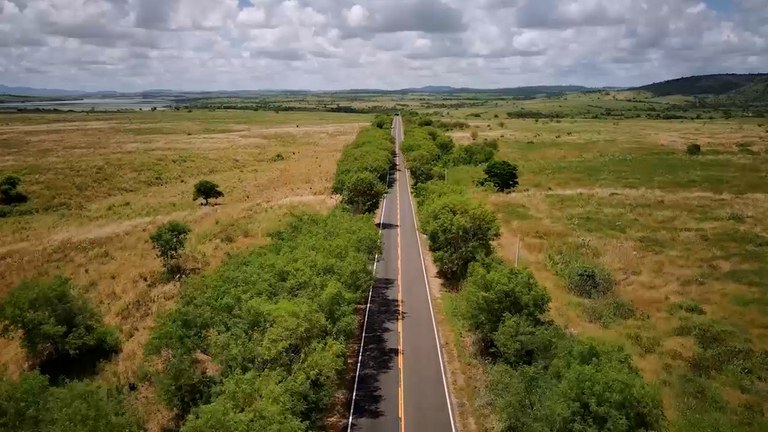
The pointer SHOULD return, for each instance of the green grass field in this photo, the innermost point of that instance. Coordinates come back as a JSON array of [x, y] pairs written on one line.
[[672, 229]]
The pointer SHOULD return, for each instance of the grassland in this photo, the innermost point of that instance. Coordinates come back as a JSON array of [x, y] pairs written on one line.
[[99, 183], [676, 231]]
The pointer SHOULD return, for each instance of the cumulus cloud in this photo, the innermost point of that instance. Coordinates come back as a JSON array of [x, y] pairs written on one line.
[[327, 44]]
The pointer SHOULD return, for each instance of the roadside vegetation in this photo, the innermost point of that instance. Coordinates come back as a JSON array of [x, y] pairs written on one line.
[[538, 377]]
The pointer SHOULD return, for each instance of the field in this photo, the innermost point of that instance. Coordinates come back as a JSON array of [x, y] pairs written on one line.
[[100, 182], [603, 173], [683, 237]]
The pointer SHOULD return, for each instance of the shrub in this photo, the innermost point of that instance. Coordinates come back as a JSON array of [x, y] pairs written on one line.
[[582, 275], [370, 152], [474, 135], [30, 405], [9, 192], [491, 294], [21, 402], [169, 241], [472, 154], [688, 306], [588, 280], [589, 387], [609, 312], [647, 343], [693, 149], [522, 341], [206, 190], [59, 329], [460, 232], [362, 192], [501, 174], [422, 167]]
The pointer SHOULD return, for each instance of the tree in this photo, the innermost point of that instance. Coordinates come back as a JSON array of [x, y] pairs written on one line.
[[501, 174], [362, 192], [206, 190], [460, 232], [491, 294], [9, 192], [421, 166], [169, 241], [55, 324]]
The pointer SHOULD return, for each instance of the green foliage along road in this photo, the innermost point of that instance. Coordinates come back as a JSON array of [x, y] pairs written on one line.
[[539, 378], [362, 170], [261, 342]]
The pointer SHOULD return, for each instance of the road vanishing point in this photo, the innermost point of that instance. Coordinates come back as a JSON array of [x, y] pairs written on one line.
[[400, 381]]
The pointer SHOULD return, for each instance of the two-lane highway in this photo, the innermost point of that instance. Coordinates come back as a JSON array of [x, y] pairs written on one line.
[[400, 383]]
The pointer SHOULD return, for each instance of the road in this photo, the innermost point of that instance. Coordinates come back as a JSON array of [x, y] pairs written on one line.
[[400, 384]]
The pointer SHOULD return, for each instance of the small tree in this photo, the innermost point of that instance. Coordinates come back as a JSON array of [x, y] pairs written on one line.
[[362, 192], [54, 323], [693, 149], [501, 174], [206, 190], [169, 241], [9, 192]]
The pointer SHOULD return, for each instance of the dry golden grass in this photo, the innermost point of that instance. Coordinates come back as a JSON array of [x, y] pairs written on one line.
[[668, 226], [99, 188]]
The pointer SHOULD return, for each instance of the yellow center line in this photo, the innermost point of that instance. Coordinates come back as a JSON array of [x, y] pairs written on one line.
[[399, 309]]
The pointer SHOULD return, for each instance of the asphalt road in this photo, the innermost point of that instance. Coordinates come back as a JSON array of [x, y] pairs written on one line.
[[400, 384]]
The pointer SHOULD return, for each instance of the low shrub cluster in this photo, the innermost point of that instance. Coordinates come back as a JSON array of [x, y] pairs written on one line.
[[610, 311], [540, 378], [60, 331], [362, 170], [30, 404], [583, 275]]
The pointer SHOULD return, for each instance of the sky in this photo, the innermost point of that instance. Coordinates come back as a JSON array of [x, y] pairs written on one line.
[[131, 45]]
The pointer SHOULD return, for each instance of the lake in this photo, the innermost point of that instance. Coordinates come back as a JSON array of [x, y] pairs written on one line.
[[96, 104]]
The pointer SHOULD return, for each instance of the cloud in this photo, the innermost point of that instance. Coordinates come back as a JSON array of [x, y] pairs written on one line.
[[326, 44]]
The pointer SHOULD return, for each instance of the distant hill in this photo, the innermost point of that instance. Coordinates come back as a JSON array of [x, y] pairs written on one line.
[[530, 91], [29, 91], [754, 92], [716, 85]]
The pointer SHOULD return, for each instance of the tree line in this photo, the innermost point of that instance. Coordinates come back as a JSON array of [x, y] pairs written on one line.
[[539, 377]]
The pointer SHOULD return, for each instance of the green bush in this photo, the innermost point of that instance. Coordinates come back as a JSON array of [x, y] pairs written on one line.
[[582, 275], [688, 306], [589, 387], [493, 292], [362, 192], [473, 154], [275, 321], [59, 329], [9, 193], [169, 241], [610, 311], [523, 341], [370, 152], [460, 232], [207, 190], [693, 149], [30, 405], [721, 348], [501, 174]]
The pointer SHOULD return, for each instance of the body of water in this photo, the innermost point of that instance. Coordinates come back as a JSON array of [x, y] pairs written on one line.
[[96, 104]]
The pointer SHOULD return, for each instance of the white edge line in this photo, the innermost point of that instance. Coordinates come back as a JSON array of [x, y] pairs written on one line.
[[365, 320], [429, 298]]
